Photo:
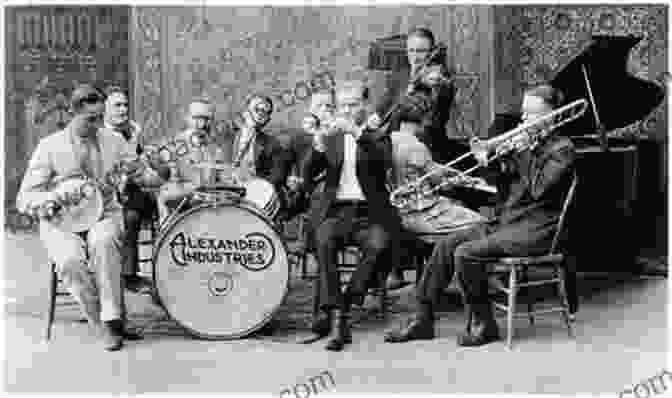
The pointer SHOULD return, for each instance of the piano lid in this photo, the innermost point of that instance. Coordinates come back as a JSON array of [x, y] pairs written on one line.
[[620, 98]]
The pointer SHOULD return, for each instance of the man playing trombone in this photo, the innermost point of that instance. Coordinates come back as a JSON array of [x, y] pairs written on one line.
[[534, 177]]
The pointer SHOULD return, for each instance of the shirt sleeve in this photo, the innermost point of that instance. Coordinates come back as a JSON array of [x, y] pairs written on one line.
[[33, 188]]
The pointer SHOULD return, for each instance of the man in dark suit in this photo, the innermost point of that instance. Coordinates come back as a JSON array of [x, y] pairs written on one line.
[[433, 82], [535, 182], [255, 152], [354, 207]]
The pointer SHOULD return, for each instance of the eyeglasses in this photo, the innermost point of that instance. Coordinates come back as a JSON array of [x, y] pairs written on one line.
[[94, 118], [418, 50]]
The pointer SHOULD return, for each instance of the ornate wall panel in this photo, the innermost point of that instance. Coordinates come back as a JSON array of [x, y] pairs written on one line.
[[546, 37], [226, 53], [49, 50]]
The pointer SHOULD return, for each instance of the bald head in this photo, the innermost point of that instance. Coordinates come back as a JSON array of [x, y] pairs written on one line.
[[201, 115]]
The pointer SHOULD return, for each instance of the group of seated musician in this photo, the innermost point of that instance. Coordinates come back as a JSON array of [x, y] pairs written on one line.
[[362, 159], [354, 207]]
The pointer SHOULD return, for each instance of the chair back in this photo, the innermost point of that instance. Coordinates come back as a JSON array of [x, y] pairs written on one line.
[[562, 221]]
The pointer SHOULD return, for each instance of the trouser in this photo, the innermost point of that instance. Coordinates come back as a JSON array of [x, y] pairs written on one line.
[[473, 256], [344, 224], [440, 268], [142, 206], [94, 280], [443, 216]]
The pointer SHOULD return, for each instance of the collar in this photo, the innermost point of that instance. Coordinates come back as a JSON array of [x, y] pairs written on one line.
[[189, 133], [78, 140]]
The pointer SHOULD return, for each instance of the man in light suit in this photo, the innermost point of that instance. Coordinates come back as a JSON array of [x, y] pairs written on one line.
[[354, 207], [83, 148]]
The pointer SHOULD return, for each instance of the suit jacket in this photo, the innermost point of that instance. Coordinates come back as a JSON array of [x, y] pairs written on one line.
[[271, 160], [434, 132], [56, 156], [535, 186], [374, 159]]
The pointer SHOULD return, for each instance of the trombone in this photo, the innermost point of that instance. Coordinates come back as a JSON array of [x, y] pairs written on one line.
[[525, 136]]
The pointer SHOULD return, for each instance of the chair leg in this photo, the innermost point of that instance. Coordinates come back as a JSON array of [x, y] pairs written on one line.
[[383, 295], [51, 305], [303, 259], [511, 305], [316, 297], [563, 300], [530, 303]]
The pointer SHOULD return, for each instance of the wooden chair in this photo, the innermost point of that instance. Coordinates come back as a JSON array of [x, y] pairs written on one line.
[[56, 290], [517, 270]]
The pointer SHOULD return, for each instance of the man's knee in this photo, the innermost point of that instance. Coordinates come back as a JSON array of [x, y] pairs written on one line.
[[132, 218], [107, 235], [377, 240], [72, 269]]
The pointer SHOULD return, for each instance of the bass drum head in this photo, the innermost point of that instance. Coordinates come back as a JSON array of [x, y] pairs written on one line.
[[221, 271]]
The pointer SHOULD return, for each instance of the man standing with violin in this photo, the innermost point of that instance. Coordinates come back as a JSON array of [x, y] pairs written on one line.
[[426, 80], [354, 207], [138, 204], [427, 76], [89, 262]]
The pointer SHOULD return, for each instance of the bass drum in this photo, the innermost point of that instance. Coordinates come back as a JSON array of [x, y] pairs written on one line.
[[221, 270]]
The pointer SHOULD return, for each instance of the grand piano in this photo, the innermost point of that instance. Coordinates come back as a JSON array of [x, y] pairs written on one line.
[[606, 218], [607, 226]]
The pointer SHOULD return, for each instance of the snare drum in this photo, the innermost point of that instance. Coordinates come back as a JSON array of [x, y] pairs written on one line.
[[221, 270], [219, 193]]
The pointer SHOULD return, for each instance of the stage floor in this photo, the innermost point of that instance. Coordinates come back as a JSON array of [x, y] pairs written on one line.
[[621, 339]]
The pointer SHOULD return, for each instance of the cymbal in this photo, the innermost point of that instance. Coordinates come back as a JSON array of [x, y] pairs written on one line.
[[213, 166]]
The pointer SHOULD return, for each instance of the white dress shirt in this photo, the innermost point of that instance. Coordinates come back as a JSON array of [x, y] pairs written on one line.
[[348, 186], [134, 141]]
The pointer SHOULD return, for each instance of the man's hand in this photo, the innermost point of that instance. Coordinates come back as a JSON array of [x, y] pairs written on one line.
[[374, 122], [294, 182], [480, 151]]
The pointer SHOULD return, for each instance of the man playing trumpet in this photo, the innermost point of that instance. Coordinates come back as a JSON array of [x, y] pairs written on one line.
[[354, 207], [534, 181], [89, 262]]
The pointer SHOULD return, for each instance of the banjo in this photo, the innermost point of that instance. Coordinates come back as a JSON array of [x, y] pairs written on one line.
[[80, 202]]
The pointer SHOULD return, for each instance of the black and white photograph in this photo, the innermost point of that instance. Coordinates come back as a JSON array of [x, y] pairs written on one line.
[[294, 199]]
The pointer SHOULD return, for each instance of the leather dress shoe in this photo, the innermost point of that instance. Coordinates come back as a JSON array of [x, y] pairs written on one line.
[[416, 329], [130, 334], [321, 326], [112, 339], [341, 334], [137, 284], [484, 335]]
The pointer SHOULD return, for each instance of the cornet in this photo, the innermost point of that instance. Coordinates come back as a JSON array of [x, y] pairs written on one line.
[[523, 137]]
